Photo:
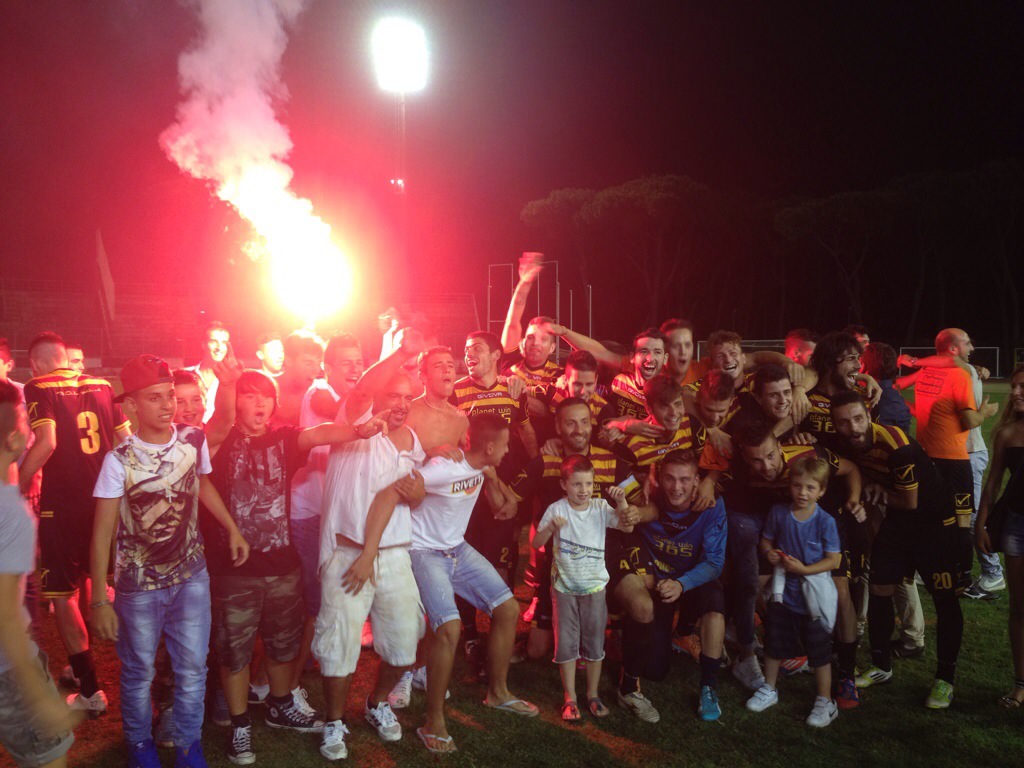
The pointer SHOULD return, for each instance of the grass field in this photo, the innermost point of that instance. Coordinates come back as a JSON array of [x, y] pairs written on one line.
[[892, 727]]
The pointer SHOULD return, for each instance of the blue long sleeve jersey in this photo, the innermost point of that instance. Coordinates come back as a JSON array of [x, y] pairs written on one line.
[[686, 546]]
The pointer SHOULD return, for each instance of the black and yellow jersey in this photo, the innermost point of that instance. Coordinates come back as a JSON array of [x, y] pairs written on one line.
[[469, 397], [626, 399]]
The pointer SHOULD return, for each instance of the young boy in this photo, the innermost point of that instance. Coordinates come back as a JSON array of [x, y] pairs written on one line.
[[803, 540], [253, 470], [579, 577], [148, 490], [35, 724]]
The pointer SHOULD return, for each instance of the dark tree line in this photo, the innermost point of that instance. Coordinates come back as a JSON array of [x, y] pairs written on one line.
[[906, 259]]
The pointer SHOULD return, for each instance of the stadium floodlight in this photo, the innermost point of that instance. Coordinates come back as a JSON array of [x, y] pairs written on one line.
[[400, 58]]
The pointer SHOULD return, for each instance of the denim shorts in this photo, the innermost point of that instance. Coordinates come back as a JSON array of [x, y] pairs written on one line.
[[20, 730], [442, 574], [1013, 535]]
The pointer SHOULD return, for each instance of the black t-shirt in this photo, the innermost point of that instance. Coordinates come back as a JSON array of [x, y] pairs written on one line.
[[253, 476]]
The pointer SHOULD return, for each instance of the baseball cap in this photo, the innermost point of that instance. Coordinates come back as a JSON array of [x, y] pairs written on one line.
[[141, 372]]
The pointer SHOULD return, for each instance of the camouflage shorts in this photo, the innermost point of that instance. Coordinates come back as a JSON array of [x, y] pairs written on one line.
[[20, 730], [243, 605]]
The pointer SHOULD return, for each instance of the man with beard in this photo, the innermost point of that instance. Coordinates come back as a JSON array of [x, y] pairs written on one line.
[[759, 479], [918, 533], [836, 363], [540, 481]]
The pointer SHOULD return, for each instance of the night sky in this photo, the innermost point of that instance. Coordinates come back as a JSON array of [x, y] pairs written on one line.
[[767, 99]]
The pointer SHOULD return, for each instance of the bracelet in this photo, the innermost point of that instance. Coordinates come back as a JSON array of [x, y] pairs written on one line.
[[99, 604]]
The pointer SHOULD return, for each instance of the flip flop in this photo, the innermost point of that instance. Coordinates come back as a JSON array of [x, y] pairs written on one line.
[[440, 745], [516, 707], [597, 707], [570, 712]]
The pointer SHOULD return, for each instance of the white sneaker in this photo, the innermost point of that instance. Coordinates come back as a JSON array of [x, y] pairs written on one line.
[[332, 743], [401, 694], [763, 697], [823, 712], [301, 698], [640, 706], [419, 681], [94, 705], [384, 721], [748, 672], [992, 583]]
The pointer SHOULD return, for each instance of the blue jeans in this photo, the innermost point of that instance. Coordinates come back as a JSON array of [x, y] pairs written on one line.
[[442, 574], [990, 566], [306, 540], [743, 538], [181, 614]]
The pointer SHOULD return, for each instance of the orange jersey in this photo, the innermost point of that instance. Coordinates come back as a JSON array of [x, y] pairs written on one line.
[[940, 395]]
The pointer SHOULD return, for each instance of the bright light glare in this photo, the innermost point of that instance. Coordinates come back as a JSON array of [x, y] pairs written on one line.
[[309, 272], [400, 55]]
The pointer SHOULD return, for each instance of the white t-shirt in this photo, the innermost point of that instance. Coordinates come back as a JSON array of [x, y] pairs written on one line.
[[356, 472], [578, 563], [440, 521], [308, 483]]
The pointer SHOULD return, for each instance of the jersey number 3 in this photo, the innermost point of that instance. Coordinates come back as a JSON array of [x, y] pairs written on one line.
[[90, 424]]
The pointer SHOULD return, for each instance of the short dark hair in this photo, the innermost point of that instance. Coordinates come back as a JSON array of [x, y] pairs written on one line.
[[46, 337], [341, 341], [768, 374], [857, 330], [183, 377], [575, 463], [252, 380], [831, 348], [662, 390], [490, 339], [428, 353], [754, 432], [569, 402], [846, 398], [716, 387], [485, 428], [879, 360], [299, 343], [581, 360], [542, 320], [677, 457], [718, 338], [801, 334], [649, 333], [674, 324]]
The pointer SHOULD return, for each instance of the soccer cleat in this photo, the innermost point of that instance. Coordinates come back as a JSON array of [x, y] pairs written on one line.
[[640, 706], [401, 694], [940, 696], [709, 709], [240, 746], [383, 720], [902, 651], [143, 755], [290, 717], [748, 672], [190, 758], [258, 693], [847, 696], [94, 705], [992, 583], [763, 697], [794, 666], [332, 744], [823, 712], [873, 676], [163, 733]]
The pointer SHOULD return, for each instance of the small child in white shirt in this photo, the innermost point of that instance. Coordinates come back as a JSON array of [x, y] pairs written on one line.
[[579, 576]]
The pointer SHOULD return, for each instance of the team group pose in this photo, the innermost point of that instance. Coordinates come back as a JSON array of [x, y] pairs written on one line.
[[230, 529]]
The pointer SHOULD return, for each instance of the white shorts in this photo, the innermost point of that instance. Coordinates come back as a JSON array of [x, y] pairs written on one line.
[[392, 604]]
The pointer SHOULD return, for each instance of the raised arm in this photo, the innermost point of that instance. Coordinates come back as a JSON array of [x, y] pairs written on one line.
[[530, 268], [604, 355], [410, 344]]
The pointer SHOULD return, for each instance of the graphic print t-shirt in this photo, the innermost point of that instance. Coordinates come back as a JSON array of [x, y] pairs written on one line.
[[453, 487], [253, 476]]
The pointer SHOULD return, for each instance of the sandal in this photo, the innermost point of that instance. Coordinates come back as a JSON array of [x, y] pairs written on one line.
[[597, 707], [441, 745], [570, 712]]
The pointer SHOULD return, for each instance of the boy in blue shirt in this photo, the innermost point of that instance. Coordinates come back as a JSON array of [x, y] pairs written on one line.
[[802, 541]]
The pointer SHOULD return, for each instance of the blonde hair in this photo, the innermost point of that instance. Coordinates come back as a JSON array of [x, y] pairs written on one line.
[[812, 467]]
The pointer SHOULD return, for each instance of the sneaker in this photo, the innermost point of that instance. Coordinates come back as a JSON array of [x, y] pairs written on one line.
[[240, 746], [794, 666], [748, 672], [688, 644], [258, 694], [383, 720], [709, 709], [163, 733], [143, 755], [190, 758], [902, 651], [401, 694], [992, 583], [419, 681], [940, 696], [640, 706], [219, 709], [300, 697], [68, 680], [823, 712], [847, 696], [332, 744], [94, 705], [763, 697], [873, 676], [289, 716]]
